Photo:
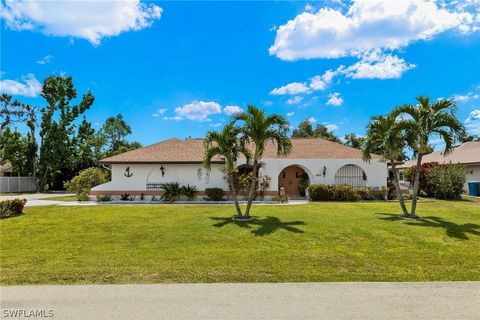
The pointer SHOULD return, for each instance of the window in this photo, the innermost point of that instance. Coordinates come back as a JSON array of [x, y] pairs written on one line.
[[401, 175]]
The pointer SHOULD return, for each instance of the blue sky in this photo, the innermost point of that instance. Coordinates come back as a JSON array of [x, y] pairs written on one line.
[[180, 68]]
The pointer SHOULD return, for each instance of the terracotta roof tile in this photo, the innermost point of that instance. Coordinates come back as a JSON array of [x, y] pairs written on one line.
[[191, 150]]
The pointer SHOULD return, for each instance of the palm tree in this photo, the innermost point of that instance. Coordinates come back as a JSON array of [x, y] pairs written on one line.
[[225, 144], [257, 130], [422, 121], [384, 140]]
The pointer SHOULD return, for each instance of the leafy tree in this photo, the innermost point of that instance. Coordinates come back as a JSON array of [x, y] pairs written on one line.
[[383, 140], [422, 121], [353, 140], [57, 150], [306, 130], [256, 131], [85, 151], [112, 137], [15, 148], [225, 144], [85, 181]]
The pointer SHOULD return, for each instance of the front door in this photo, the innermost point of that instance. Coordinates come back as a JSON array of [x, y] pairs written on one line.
[[289, 179]]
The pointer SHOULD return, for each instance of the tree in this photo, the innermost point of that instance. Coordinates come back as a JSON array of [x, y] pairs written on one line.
[[353, 140], [14, 147], [85, 181], [384, 140], [256, 131], [57, 149], [305, 130], [422, 121], [115, 130], [225, 144], [84, 143]]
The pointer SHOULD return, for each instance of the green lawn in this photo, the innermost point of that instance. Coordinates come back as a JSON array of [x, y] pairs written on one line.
[[188, 243], [63, 198]]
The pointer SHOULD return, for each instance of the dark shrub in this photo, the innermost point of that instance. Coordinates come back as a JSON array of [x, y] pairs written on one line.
[[104, 198], [171, 191], [125, 196], [447, 179], [190, 192], [11, 208], [346, 193], [215, 194], [425, 186], [322, 192]]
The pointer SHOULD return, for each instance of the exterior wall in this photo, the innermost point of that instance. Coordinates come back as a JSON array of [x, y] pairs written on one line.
[[184, 174], [472, 174]]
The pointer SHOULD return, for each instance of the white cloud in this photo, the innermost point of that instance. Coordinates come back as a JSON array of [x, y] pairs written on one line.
[[176, 118], [159, 112], [45, 60], [335, 99], [198, 110], [331, 127], [472, 123], [30, 88], [216, 124], [367, 25], [231, 110], [294, 100], [289, 114], [92, 20], [312, 120], [465, 97], [321, 82], [291, 88], [376, 65]]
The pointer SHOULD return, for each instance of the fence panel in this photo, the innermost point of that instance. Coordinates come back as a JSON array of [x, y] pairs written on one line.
[[17, 184]]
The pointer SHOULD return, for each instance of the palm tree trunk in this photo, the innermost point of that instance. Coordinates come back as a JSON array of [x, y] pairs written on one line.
[[397, 189], [416, 186], [234, 195], [251, 192]]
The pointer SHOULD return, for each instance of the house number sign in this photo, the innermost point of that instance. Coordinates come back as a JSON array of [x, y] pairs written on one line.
[[127, 173]]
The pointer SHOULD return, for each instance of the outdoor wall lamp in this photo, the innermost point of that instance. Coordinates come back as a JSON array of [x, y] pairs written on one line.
[[324, 172], [162, 169]]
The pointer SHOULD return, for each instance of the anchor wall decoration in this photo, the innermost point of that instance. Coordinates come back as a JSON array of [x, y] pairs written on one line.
[[127, 173]]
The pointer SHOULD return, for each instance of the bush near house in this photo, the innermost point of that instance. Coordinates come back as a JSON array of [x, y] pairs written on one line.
[[11, 208], [426, 187], [323, 192], [85, 181], [215, 194], [448, 180]]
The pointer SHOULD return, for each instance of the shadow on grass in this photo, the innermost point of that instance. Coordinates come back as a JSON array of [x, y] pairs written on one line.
[[265, 226], [452, 229]]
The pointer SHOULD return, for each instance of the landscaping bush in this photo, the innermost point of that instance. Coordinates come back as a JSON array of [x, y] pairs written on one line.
[[323, 192], [11, 208], [425, 186], [104, 198], [85, 181], [215, 194], [447, 179], [172, 191], [189, 191]]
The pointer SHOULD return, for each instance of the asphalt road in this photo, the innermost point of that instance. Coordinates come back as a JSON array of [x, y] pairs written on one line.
[[447, 300]]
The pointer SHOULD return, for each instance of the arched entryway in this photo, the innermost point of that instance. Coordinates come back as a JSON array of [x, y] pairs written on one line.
[[293, 180], [351, 175]]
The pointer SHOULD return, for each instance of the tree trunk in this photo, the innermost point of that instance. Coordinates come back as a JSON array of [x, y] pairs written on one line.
[[397, 189], [251, 192], [234, 195], [416, 186]]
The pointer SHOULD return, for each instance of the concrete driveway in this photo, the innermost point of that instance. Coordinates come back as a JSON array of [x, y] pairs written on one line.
[[441, 300], [34, 196]]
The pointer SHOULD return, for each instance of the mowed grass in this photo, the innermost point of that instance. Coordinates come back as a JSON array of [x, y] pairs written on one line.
[[200, 243]]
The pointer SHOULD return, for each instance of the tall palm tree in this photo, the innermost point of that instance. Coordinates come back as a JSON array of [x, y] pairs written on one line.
[[257, 130], [225, 143], [422, 121], [384, 140]]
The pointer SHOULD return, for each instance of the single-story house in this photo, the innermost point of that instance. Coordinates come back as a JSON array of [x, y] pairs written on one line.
[[467, 154], [6, 169], [181, 160]]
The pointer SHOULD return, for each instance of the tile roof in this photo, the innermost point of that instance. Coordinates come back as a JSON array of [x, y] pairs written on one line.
[[468, 152], [191, 151]]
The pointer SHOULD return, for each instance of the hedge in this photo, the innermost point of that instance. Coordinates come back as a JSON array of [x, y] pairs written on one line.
[[323, 192], [11, 208]]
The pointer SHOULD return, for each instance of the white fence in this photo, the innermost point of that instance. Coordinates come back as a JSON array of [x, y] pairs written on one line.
[[17, 184]]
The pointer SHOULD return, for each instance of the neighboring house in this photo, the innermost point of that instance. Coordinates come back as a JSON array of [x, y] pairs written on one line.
[[175, 160], [6, 169], [467, 154]]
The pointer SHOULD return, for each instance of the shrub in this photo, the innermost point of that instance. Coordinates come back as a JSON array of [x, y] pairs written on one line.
[[263, 185], [322, 192], [11, 208], [171, 191], [104, 198], [425, 186], [346, 193], [189, 191], [142, 196], [125, 196], [281, 198], [447, 179], [303, 184], [215, 194], [85, 181]]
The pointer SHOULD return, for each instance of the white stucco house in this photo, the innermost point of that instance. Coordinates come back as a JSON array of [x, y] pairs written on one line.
[[181, 160]]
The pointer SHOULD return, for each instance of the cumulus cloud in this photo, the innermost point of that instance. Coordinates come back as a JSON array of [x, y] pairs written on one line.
[[291, 88], [30, 87], [312, 120], [472, 123], [335, 99], [294, 100], [376, 65], [231, 110], [321, 82], [45, 60], [198, 110], [367, 25], [159, 112], [92, 20], [176, 118], [331, 126], [289, 114]]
